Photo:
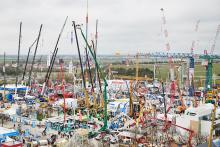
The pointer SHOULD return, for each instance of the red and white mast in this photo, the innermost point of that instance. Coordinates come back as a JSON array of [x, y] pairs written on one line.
[[214, 42], [170, 61]]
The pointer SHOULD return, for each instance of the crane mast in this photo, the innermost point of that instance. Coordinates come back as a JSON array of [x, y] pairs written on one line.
[[167, 44], [209, 58], [192, 64], [194, 41], [18, 58], [170, 60]]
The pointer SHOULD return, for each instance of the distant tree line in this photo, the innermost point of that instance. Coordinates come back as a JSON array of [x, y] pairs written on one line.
[[132, 72], [11, 71]]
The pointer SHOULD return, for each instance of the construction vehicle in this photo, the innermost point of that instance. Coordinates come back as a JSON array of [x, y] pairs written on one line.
[[181, 108], [208, 64], [209, 96]]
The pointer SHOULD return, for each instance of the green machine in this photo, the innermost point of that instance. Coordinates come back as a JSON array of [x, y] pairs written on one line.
[[208, 82], [209, 66], [103, 78]]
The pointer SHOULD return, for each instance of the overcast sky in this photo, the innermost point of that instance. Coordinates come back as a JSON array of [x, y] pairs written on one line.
[[125, 26]]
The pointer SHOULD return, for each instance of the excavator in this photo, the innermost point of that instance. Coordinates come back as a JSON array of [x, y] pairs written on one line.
[[181, 108]]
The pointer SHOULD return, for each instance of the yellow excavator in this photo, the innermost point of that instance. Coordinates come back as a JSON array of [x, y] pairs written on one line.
[[181, 108]]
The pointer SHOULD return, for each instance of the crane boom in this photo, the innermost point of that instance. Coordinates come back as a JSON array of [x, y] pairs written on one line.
[[193, 42], [105, 82], [167, 45], [214, 42], [209, 58]]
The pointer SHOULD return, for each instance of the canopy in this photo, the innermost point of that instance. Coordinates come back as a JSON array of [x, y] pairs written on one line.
[[4, 132]]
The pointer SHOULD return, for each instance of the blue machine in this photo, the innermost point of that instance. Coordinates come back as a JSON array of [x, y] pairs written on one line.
[[9, 134], [9, 97], [191, 67]]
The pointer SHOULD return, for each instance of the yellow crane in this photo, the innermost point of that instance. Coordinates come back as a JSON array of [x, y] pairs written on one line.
[[132, 78]]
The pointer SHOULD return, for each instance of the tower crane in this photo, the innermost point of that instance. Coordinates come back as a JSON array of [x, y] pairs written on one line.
[[209, 60], [172, 85], [191, 64], [170, 61]]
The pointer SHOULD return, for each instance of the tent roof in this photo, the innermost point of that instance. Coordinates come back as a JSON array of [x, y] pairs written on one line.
[[13, 87], [8, 132]]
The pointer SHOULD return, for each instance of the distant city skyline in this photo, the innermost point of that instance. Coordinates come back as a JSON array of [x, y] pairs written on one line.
[[125, 26]]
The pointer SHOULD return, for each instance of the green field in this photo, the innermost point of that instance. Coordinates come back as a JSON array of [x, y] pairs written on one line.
[[162, 70]]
